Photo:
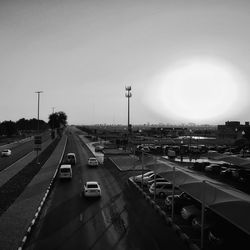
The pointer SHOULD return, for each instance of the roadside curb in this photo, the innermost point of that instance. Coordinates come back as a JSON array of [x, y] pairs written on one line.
[[39, 209], [168, 220]]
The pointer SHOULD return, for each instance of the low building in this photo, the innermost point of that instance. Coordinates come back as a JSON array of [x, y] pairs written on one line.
[[232, 130]]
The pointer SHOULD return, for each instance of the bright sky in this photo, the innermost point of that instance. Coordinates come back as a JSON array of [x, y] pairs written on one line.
[[186, 61]]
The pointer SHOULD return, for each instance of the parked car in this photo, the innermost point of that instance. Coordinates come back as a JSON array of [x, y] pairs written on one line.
[[213, 168], [71, 158], [210, 220], [200, 166], [227, 171], [161, 189], [180, 200], [99, 148], [224, 235], [156, 180], [93, 162], [189, 212], [91, 189], [138, 178], [65, 171], [150, 177], [6, 152]]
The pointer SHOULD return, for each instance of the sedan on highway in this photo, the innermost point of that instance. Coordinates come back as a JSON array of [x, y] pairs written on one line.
[[91, 189], [93, 162], [6, 152]]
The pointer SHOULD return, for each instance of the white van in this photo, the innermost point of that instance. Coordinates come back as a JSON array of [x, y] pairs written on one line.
[[65, 171]]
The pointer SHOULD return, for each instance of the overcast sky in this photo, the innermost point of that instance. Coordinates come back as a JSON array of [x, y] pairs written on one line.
[[186, 61]]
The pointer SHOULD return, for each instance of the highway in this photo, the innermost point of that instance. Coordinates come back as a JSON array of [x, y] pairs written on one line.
[[121, 219], [19, 150]]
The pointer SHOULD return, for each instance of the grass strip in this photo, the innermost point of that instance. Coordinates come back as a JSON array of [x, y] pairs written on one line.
[[10, 191]]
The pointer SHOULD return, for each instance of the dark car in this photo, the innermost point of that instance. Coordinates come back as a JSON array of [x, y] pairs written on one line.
[[180, 200], [200, 166], [213, 168], [224, 235]]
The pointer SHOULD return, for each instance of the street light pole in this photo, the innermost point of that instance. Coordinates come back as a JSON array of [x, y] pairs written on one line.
[[128, 95], [38, 107], [38, 110], [53, 108]]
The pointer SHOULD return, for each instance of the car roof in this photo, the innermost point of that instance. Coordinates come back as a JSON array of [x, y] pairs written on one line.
[[71, 154], [65, 166], [91, 182], [163, 182], [92, 158]]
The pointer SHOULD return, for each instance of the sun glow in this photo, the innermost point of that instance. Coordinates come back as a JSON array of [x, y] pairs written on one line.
[[197, 91]]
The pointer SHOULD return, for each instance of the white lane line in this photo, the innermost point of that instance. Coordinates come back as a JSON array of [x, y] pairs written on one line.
[[16, 162]]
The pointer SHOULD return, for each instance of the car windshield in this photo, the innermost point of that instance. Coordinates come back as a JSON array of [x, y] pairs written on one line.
[[65, 170], [92, 186]]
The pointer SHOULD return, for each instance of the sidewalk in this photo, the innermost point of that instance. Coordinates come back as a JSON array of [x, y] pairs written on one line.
[[17, 219]]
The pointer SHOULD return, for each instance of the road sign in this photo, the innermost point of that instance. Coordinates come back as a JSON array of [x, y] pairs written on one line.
[[38, 139]]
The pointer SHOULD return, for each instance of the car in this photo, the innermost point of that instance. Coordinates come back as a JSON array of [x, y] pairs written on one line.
[[65, 171], [224, 235], [200, 166], [213, 168], [150, 177], [180, 200], [91, 189], [138, 178], [71, 158], [189, 212], [210, 220], [157, 180], [99, 148], [6, 152], [161, 189], [227, 171], [93, 162]]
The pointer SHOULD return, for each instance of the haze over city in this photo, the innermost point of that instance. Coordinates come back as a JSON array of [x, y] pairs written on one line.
[[186, 61]]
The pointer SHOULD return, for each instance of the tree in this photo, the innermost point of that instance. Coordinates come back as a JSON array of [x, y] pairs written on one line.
[[8, 128], [57, 120]]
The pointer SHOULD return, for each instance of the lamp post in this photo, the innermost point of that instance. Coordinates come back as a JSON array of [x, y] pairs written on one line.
[[190, 139], [38, 129], [243, 153], [128, 95]]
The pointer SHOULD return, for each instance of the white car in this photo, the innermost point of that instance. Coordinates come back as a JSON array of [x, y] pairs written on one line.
[[92, 189], [161, 189], [6, 152], [138, 178], [92, 161]]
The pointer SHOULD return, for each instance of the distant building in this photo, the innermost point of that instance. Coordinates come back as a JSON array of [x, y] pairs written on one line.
[[232, 130]]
